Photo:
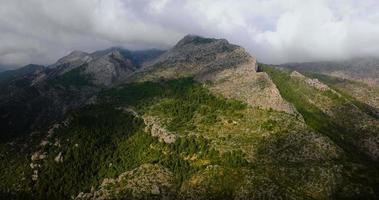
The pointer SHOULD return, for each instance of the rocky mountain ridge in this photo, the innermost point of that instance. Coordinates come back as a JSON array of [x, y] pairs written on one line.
[[362, 69], [225, 68]]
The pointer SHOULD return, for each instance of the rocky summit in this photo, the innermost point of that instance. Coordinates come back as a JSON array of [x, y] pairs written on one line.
[[201, 120]]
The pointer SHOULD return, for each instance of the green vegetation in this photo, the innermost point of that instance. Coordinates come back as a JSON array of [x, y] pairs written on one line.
[[200, 40], [179, 100], [224, 148], [352, 90], [102, 142], [74, 77]]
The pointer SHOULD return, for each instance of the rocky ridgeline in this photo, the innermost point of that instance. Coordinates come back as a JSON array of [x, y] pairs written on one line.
[[368, 139], [225, 68], [153, 126], [311, 82], [101, 68], [71, 61]]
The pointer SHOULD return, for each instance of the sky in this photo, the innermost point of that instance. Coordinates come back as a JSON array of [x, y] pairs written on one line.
[[274, 31]]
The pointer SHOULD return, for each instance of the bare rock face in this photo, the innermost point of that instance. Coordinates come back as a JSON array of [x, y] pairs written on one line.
[[139, 183], [71, 61], [226, 68], [256, 89], [106, 69]]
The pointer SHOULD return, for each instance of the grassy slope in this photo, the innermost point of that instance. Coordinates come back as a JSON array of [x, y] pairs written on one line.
[[362, 95]]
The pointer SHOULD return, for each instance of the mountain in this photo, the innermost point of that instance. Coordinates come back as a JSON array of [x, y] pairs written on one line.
[[227, 69], [202, 120], [105, 66], [365, 69], [41, 95], [356, 77], [9, 75]]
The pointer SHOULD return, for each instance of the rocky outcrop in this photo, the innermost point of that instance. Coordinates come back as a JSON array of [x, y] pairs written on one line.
[[154, 127], [256, 89], [59, 158], [141, 183], [38, 156]]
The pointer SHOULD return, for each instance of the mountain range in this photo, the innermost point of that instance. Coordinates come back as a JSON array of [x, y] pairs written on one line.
[[202, 120]]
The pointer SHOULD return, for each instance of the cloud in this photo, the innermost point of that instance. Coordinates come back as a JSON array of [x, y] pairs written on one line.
[[41, 31], [275, 31]]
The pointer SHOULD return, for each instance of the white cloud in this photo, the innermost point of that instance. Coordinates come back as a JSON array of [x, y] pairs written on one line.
[[41, 31], [47, 29]]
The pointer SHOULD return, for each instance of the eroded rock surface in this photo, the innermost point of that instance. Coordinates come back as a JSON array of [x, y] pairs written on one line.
[[144, 182]]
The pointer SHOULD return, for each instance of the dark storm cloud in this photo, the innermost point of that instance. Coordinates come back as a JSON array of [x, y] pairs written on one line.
[[41, 31]]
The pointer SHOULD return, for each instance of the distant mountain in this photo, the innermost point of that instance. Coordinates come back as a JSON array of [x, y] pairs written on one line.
[[358, 69], [357, 77], [105, 66], [20, 73], [202, 120], [43, 94]]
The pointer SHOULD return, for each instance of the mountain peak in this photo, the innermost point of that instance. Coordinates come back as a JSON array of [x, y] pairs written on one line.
[[195, 40], [77, 53]]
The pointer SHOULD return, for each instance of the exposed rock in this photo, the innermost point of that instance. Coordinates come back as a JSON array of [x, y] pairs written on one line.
[[139, 183], [297, 74], [154, 127], [35, 175], [59, 158], [71, 61], [256, 89], [129, 110], [34, 165], [38, 156]]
